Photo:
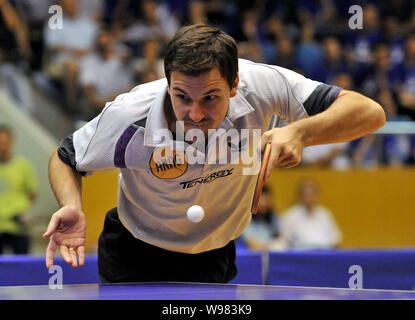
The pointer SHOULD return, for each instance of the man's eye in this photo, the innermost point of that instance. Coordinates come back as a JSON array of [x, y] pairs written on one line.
[[183, 98], [210, 98]]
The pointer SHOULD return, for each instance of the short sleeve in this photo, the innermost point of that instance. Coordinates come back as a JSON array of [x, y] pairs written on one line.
[[92, 147], [291, 95], [304, 94]]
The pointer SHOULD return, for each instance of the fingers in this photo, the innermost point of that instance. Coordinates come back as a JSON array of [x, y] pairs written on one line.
[[280, 157], [274, 155], [81, 256], [288, 162], [73, 256], [69, 255], [265, 138], [53, 225], [50, 252], [64, 251]]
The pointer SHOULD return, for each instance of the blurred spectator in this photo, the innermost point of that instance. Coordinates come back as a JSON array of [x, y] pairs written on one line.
[[36, 14], [332, 156], [395, 150], [263, 231], [276, 29], [333, 62], [249, 46], [149, 76], [286, 54], [328, 21], [104, 74], [93, 9], [369, 36], [17, 193], [156, 23], [309, 225], [15, 55], [250, 50], [65, 48], [210, 11], [307, 36], [363, 152], [250, 28], [309, 53], [381, 77], [394, 37], [411, 158], [405, 77], [344, 80], [14, 41], [197, 13], [150, 60]]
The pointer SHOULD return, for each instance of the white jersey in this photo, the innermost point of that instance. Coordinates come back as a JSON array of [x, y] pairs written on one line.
[[153, 198]]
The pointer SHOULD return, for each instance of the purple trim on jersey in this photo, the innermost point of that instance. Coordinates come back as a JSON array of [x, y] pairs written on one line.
[[338, 92], [121, 146]]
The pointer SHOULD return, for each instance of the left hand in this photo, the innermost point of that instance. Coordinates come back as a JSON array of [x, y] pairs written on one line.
[[286, 148]]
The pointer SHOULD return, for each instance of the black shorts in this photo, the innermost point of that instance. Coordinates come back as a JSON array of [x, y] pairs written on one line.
[[123, 258]]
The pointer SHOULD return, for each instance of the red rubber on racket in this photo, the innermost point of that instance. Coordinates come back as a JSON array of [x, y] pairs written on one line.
[[261, 178]]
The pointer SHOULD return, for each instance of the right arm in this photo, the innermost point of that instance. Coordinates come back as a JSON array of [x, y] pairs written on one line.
[[67, 227], [89, 149], [66, 183]]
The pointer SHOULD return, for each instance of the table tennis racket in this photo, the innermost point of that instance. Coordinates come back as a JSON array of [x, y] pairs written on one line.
[[261, 178], [264, 165]]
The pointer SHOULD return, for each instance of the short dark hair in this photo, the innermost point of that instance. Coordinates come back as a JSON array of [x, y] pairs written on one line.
[[197, 49]]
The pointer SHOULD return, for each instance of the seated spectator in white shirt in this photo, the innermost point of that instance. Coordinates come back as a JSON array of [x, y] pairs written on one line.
[[66, 45], [104, 74], [263, 231], [309, 225], [331, 155]]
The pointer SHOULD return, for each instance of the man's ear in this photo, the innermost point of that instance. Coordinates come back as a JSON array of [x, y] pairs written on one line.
[[235, 86]]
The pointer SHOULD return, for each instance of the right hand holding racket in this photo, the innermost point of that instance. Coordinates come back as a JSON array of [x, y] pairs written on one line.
[[67, 229], [286, 148]]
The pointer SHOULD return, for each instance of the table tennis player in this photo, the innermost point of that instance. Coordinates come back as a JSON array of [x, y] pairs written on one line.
[[148, 237]]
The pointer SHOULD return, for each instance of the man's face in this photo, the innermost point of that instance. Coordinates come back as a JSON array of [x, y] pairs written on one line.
[[200, 102], [70, 8], [309, 195]]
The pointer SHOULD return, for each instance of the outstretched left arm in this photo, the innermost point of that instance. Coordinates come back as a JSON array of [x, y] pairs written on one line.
[[350, 116]]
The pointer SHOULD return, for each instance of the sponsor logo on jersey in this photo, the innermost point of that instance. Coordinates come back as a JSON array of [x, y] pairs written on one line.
[[168, 164], [208, 179]]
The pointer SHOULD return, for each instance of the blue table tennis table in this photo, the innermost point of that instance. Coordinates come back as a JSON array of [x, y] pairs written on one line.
[[194, 291]]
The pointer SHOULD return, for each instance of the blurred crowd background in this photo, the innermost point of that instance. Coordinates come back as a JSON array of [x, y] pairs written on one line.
[[107, 47], [64, 76]]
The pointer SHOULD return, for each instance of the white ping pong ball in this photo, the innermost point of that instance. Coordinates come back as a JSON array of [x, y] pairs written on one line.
[[195, 213]]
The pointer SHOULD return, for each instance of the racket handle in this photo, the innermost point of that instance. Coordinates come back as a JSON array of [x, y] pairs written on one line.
[[261, 177]]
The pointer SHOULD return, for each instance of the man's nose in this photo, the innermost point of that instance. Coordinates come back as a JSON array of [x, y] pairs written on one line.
[[196, 113]]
